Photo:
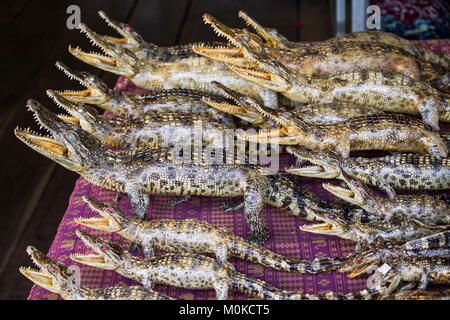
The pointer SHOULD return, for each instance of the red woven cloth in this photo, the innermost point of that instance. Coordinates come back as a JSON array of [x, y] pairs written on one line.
[[285, 235]]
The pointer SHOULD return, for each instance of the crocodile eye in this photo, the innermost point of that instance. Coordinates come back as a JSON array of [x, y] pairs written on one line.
[[128, 28], [245, 37], [358, 260], [109, 210], [52, 269], [72, 136], [332, 217]]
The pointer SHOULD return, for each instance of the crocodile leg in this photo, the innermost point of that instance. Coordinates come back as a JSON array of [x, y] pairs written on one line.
[[254, 202], [221, 253], [221, 287], [178, 200], [428, 109], [384, 186], [232, 206], [343, 146], [148, 251], [146, 282], [139, 201], [423, 281], [434, 148]]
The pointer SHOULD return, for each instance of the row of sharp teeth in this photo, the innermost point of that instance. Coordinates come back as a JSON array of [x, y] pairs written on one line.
[[338, 188], [70, 75], [59, 104], [28, 269], [95, 43], [42, 127], [245, 134], [217, 31], [109, 23], [32, 132], [226, 95], [91, 39], [91, 52], [203, 45], [251, 23], [66, 91]]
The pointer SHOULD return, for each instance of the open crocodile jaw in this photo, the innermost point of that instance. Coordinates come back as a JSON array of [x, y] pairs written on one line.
[[93, 260], [345, 194], [39, 278]]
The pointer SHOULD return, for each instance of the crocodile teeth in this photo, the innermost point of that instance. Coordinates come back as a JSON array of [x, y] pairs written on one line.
[[63, 68], [110, 23]]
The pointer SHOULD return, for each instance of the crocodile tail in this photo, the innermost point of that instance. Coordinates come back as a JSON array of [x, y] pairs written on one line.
[[258, 254], [329, 295], [435, 241], [258, 288], [284, 192]]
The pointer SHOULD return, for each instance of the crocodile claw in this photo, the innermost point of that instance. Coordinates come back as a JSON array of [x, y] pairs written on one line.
[[232, 206]]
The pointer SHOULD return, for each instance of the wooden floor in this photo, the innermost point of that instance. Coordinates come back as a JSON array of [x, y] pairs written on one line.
[[34, 190]]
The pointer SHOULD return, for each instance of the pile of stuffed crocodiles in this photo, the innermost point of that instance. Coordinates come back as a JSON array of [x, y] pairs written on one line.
[[320, 102]]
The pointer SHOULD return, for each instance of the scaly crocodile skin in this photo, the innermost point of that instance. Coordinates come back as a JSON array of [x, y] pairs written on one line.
[[403, 171], [237, 104], [195, 236], [336, 223], [386, 90], [193, 73], [424, 209], [152, 130], [141, 172], [390, 132], [276, 40], [190, 271], [56, 277], [321, 59], [129, 105], [133, 41], [422, 266]]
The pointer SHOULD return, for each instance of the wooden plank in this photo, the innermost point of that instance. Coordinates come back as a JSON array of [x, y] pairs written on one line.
[[316, 15], [11, 10], [24, 173], [158, 21], [273, 14], [39, 232]]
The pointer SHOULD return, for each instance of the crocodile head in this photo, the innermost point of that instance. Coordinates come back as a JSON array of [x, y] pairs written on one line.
[[87, 118], [116, 59], [97, 91], [68, 144], [112, 218], [333, 224], [325, 164], [361, 262], [358, 194], [131, 39], [83, 115], [272, 37], [108, 255], [234, 103], [53, 275], [286, 130], [244, 42]]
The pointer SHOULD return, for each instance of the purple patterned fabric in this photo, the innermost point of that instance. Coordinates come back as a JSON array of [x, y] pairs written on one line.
[[285, 235]]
